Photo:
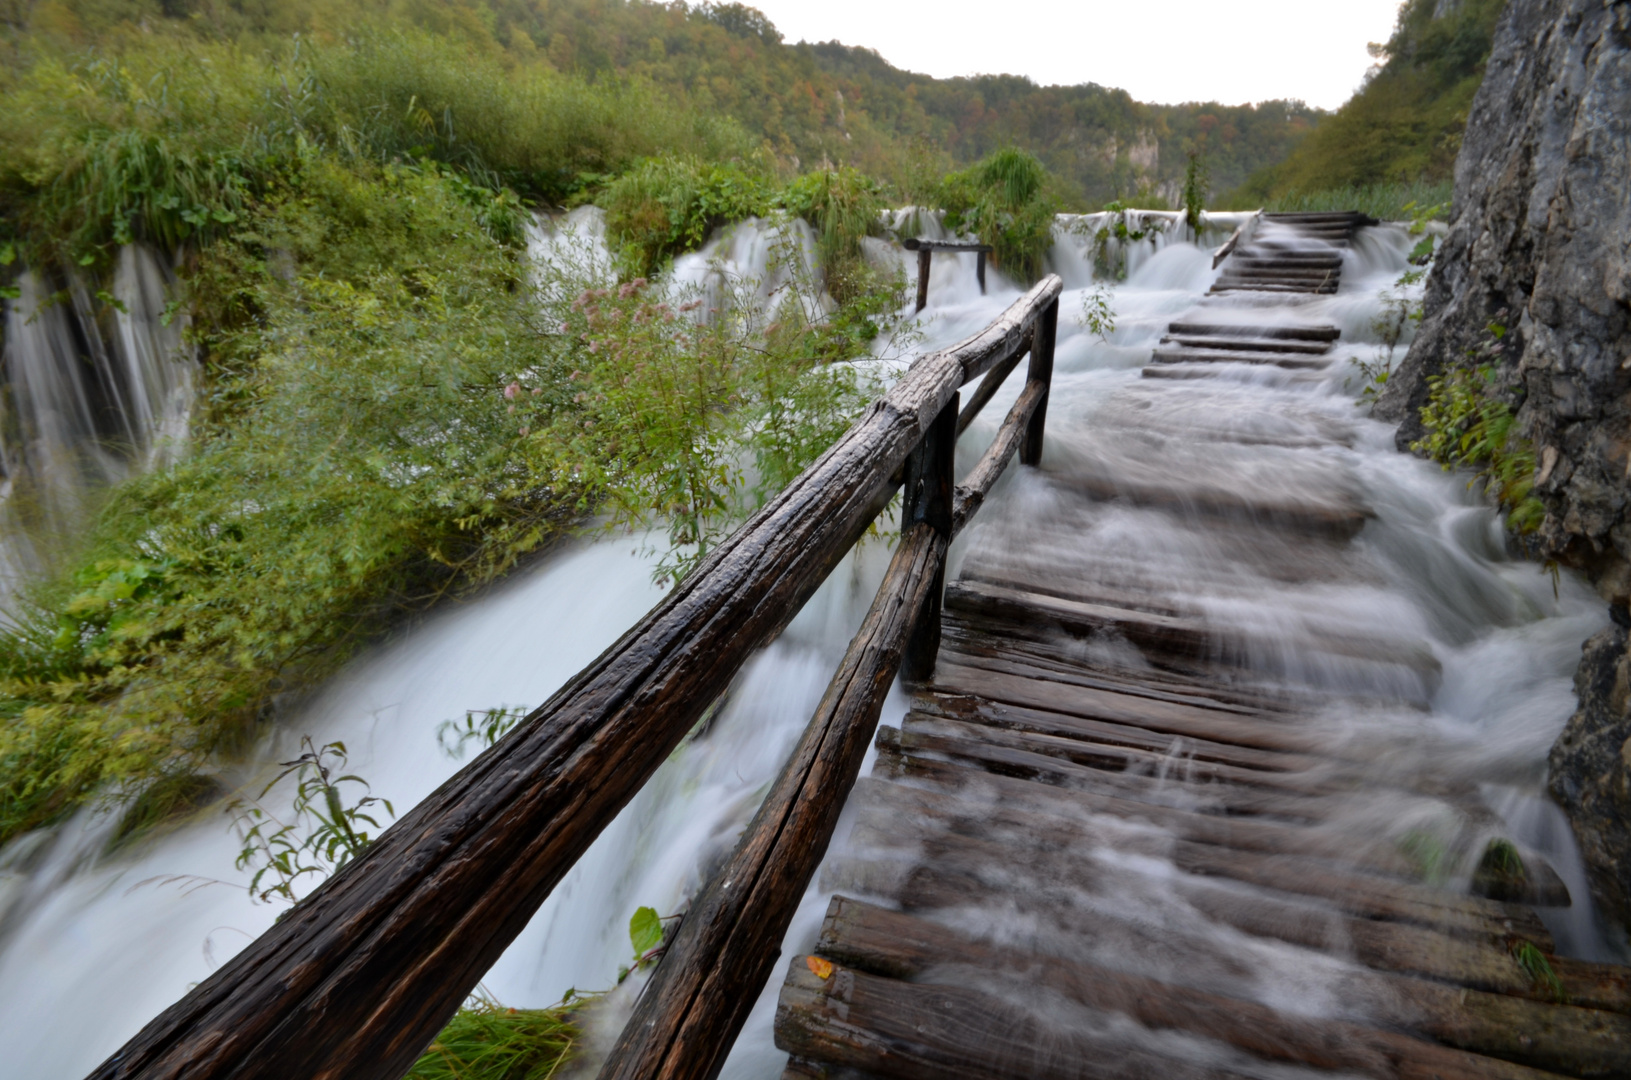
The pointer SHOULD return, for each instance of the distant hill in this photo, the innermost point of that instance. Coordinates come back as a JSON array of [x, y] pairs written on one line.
[[1405, 124], [806, 102]]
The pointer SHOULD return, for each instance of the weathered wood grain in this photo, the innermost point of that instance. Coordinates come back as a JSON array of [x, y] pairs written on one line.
[[900, 946], [729, 942]]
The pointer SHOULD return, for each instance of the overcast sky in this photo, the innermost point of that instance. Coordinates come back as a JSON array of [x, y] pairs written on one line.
[[1167, 51]]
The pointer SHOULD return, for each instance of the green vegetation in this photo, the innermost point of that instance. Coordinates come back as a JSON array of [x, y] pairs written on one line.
[[668, 205], [1005, 200], [392, 412], [1196, 188], [486, 1041], [1385, 202], [320, 834], [1540, 971], [1404, 125], [811, 106], [1470, 424]]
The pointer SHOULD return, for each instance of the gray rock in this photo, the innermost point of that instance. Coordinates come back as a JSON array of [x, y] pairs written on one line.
[[1540, 240], [1590, 769], [1541, 231]]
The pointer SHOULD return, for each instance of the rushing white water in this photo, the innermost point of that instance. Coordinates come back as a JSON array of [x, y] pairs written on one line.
[[118, 937], [98, 382]]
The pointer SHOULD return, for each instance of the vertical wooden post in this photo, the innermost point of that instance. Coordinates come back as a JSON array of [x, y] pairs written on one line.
[[979, 270], [923, 255], [1041, 370], [927, 496]]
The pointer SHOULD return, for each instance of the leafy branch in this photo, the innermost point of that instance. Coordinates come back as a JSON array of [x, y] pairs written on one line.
[[323, 833]]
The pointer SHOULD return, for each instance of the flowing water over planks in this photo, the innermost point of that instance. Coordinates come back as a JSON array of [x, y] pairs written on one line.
[[1133, 827]]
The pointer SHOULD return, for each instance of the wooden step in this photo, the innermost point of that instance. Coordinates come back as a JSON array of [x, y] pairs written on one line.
[[898, 946], [1294, 333], [1236, 356], [1262, 345], [1347, 888]]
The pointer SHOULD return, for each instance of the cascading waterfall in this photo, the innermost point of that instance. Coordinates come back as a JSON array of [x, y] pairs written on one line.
[[97, 383], [119, 936]]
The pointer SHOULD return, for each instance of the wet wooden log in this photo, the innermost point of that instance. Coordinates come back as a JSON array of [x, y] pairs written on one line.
[[357, 979], [955, 869], [900, 946], [927, 499], [729, 941], [988, 387], [1040, 371], [977, 484], [910, 1031]]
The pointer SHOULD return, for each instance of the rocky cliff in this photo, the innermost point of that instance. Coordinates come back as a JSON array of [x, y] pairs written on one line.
[[1540, 240]]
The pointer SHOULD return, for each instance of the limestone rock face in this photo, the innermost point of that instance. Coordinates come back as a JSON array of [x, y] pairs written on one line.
[[1590, 769], [1541, 242]]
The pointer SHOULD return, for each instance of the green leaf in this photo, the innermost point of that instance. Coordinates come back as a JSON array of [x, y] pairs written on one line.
[[645, 930], [8, 253]]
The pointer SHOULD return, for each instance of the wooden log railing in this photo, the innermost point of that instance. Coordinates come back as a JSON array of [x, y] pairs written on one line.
[[925, 250], [358, 978], [1242, 233]]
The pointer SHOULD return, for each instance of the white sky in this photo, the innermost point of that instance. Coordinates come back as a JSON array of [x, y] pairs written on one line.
[[1167, 51]]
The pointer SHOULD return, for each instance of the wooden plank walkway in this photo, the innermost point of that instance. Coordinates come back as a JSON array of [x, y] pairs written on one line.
[[1117, 836]]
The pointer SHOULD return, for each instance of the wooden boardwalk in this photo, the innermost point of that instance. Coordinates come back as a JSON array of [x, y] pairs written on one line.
[[1117, 835]]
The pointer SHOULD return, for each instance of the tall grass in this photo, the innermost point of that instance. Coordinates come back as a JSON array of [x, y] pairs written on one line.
[[1386, 202], [487, 1041], [171, 137], [1008, 201]]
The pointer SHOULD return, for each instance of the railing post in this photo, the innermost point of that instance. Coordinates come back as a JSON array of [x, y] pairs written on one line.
[[923, 255], [928, 496], [979, 270], [1041, 370]]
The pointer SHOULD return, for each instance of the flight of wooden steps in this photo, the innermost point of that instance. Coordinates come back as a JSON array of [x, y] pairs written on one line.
[[1131, 827], [1292, 253]]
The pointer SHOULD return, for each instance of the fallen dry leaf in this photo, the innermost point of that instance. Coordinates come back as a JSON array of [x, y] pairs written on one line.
[[822, 968]]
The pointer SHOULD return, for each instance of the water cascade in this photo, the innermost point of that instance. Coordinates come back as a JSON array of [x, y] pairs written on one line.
[[1484, 684], [97, 382]]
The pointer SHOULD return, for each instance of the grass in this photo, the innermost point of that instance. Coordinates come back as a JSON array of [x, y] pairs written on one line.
[[1384, 201], [1470, 424], [1008, 201], [487, 1041]]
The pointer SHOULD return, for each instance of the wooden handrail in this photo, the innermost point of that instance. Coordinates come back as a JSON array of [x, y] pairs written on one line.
[[1242, 232], [357, 979], [926, 248], [729, 942]]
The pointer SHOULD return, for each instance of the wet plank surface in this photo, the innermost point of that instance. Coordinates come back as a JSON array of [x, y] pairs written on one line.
[[1124, 832]]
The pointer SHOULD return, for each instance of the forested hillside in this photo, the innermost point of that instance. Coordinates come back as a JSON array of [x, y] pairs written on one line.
[[806, 103], [1405, 124]]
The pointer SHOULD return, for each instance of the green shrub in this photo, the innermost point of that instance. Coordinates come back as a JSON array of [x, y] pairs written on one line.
[[1469, 424], [1005, 200], [669, 205], [1385, 202], [843, 206]]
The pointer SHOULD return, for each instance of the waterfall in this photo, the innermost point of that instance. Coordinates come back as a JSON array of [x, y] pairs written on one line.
[[95, 384]]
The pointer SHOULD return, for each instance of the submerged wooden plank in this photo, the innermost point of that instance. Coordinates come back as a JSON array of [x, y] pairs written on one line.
[[913, 1031], [1344, 886], [902, 946]]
